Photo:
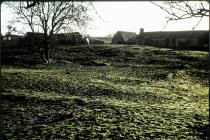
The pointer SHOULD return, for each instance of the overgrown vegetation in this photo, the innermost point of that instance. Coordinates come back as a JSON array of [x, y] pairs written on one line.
[[107, 92]]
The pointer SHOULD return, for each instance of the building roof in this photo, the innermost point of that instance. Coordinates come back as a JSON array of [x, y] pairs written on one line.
[[72, 33], [38, 33], [34, 34], [126, 35], [181, 34]]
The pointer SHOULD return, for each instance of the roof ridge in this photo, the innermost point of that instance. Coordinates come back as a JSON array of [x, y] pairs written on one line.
[[126, 32]]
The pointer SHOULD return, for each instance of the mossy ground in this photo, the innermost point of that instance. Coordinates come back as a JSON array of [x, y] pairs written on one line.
[[107, 92]]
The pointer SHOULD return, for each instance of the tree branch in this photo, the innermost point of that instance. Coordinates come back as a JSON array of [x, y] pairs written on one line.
[[179, 10]]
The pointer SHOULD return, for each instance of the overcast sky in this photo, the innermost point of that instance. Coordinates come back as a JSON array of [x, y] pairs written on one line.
[[127, 16]]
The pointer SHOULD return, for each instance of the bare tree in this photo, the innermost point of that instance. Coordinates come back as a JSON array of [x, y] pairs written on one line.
[[51, 17], [23, 15], [178, 10]]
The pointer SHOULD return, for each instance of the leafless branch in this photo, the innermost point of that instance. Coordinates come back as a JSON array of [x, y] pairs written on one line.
[[179, 10]]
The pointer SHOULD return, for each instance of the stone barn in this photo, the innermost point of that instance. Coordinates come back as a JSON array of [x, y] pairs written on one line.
[[122, 37], [179, 39]]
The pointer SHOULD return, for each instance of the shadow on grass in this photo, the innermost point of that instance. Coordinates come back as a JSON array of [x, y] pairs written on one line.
[[202, 130], [81, 118], [66, 88]]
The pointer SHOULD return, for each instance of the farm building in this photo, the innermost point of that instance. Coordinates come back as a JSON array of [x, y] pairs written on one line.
[[74, 38], [33, 40], [11, 37], [18, 49], [122, 37], [37, 37], [95, 40], [174, 38]]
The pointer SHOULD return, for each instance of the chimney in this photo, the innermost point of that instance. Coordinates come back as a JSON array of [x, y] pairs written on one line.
[[141, 31]]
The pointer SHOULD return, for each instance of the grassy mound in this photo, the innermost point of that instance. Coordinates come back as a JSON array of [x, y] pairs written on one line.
[[135, 92]]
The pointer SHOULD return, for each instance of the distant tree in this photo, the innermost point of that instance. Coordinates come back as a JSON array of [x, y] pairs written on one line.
[[51, 17], [31, 4], [10, 29], [179, 10], [111, 35]]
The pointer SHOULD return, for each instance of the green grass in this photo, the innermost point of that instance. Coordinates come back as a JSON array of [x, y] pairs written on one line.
[[107, 92]]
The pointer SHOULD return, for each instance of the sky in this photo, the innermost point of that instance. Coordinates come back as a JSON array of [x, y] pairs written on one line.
[[126, 16]]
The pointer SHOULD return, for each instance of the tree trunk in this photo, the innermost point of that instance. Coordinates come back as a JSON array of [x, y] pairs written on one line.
[[46, 51], [46, 48]]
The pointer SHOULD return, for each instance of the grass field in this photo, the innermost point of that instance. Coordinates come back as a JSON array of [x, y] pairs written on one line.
[[107, 92]]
